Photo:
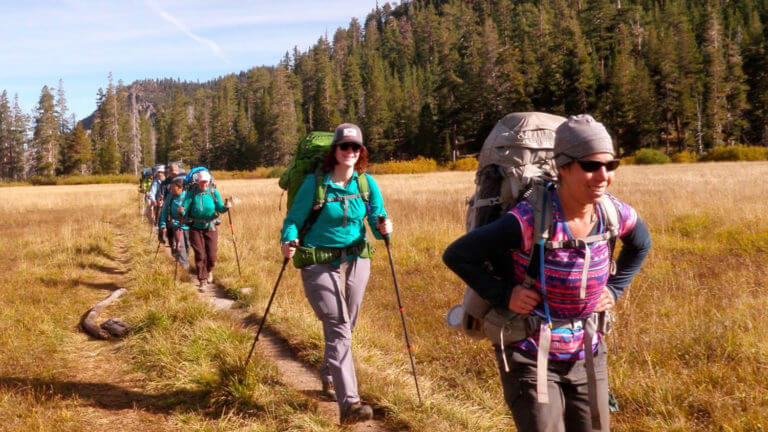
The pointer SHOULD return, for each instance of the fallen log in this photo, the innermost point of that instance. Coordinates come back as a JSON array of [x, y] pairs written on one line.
[[88, 322]]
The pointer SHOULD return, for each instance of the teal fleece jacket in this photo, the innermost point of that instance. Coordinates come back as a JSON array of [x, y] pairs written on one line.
[[202, 208], [171, 204], [329, 229]]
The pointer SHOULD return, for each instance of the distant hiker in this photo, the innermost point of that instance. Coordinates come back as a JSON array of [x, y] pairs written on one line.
[[144, 185], [172, 222], [154, 192], [327, 218], [551, 383], [146, 180], [201, 206], [174, 170]]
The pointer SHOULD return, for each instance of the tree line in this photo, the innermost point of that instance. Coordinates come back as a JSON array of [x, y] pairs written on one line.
[[427, 77]]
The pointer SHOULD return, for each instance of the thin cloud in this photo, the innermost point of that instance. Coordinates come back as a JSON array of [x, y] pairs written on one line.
[[184, 29]]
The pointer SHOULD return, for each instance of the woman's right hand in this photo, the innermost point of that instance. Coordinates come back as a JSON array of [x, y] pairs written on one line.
[[523, 300], [289, 249]]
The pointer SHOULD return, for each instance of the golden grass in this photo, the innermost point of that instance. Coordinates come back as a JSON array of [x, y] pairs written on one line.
[[689, 351]]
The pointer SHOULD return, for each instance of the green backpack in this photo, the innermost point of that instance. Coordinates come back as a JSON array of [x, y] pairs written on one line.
[[309, 155]]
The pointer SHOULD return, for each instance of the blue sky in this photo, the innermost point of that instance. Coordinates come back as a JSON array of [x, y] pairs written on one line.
[[82, 41]]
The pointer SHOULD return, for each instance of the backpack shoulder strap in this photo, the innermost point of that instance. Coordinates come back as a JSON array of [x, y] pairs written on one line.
[[363, 187], [321, 192], [610, 215], [611, 221], [541, 204]]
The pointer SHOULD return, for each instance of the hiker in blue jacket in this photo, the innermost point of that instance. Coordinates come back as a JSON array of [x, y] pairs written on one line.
[[334, 257], [172, 222]]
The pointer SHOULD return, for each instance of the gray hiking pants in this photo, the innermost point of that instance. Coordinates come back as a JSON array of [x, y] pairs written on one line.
[[330, 299], [568, 407], [179, 241]]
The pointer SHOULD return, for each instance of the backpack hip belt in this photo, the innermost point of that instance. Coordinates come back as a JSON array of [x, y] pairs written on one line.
[[306, 256], [210, 224]]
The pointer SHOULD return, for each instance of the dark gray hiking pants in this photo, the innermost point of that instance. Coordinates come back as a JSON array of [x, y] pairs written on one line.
[[323, 289], [568, 407]]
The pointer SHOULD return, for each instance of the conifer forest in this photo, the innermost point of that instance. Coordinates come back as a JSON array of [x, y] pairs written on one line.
[[426, 78]]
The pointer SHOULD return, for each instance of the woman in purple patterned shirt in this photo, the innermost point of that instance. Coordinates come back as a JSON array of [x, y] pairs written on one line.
[[556, 378]]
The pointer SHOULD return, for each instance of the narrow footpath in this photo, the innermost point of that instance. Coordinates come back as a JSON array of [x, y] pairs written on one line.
[[100, 382], [293, 372]]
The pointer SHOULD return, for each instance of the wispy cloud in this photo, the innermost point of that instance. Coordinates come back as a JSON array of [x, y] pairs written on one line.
[[184, 29]]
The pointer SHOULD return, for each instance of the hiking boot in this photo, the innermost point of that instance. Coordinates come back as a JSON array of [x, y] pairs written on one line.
[[328, 391], [210, 277], [201, 285], [356, 412]]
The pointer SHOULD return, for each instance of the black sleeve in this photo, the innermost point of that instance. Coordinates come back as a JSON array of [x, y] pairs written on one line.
[[469, 255], [634, 249]]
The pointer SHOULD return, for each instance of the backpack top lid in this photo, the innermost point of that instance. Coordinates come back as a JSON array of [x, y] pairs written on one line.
[[191, 176], [525, 130], [309, 153]]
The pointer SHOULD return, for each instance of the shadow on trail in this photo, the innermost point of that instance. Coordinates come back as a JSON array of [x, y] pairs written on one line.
[[110, 396], [106, 269], [106, 286]]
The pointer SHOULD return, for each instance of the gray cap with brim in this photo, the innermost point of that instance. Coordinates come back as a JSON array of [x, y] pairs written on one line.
[[347, 132], [580, 136]]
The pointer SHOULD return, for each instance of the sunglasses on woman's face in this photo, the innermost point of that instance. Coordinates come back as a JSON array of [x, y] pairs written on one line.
[[593, 165], [354, 146]]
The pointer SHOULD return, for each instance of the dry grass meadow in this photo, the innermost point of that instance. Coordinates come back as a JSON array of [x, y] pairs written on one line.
[[689, 352]]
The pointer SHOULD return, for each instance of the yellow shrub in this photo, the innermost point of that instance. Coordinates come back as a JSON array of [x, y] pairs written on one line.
[[628, 160], [463, 164], [414, 166], [684, 157]]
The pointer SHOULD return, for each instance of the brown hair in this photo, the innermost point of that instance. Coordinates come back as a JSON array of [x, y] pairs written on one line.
[[329, 161]]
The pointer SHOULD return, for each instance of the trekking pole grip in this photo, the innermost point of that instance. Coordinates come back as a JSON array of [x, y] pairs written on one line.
[[380, 219]]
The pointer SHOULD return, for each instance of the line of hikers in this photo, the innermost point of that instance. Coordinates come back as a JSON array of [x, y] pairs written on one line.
[[537, 258], [184, 210]]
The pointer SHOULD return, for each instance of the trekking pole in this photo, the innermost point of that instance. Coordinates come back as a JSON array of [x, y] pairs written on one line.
[[175, 255], [269, 305], [158, 247], [402, 312], [234, 240]]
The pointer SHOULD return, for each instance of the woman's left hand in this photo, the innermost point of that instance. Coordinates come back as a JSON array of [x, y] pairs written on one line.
[[228, 203], [384, 227], [606, 301]]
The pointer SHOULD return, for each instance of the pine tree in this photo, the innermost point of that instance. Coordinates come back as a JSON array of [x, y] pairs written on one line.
[[81, 150], [15, 165], [736, 93], [715, 106], [46, 137], [281, 132], [6, 123]]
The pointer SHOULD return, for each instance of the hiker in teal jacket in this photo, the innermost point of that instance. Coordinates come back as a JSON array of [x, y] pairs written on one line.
[[201, 207], [326, 230], [173, 221], [334, 257]]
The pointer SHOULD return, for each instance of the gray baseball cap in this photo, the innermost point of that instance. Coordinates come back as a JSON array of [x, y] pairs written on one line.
[[579, 136], [347, 132]]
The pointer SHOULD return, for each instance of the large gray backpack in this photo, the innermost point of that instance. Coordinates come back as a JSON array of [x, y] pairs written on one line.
[[515, 162]]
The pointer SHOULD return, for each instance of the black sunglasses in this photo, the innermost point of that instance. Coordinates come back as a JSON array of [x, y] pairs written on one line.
[[593, 165], [354, 146]]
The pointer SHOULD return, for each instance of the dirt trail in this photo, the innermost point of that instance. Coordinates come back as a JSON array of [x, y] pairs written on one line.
[[100, 382], [293, 371], [106, 392]]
